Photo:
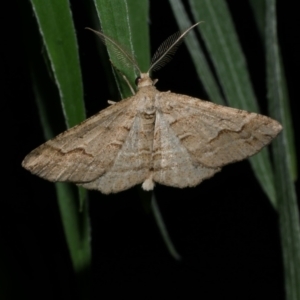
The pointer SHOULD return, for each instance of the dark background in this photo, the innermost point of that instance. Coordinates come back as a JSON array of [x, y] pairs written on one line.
[[226, 232]]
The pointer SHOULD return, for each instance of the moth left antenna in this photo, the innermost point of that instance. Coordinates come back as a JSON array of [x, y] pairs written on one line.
[[123, 55]]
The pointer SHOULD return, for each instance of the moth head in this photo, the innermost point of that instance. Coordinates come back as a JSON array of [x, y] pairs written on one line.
[[144, 80]]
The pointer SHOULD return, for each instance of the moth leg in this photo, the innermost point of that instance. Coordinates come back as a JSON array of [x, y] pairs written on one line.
[[125, 78], [128, 83], [110, 102]]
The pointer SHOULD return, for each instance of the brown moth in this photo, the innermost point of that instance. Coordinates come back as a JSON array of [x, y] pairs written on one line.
[[151, 137]]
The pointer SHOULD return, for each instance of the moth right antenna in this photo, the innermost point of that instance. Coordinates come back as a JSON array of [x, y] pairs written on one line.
[[167, 49]]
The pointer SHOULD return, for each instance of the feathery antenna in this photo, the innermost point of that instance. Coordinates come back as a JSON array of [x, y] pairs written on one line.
[[161, 57], [127, 59], [167, 49]]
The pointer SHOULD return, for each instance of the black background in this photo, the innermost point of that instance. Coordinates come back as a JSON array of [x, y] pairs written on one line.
[[226, 232]]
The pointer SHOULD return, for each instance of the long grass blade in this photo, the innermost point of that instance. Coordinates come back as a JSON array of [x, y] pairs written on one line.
[[57, 30], [224, 48], [259, 12], [202, 67], [125, 22], [286, 194], [163, 229]]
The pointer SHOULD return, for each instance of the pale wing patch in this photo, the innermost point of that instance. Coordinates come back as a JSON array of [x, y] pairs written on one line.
[[172, 163], [132, 163]]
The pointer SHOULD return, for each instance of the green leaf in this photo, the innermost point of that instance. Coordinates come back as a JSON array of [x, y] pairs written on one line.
[[201, 64], [286, 194], [259, 9], [222, 42], [58, 34], [163, 228], [126, 23]]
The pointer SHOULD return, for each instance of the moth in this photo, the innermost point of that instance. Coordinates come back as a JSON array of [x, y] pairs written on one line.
[[151, 137]]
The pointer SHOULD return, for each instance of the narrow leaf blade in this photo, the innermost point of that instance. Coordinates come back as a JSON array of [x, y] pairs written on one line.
[[125, 22], [57, 30], [224, 48], [204, 72], [286, 194]]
